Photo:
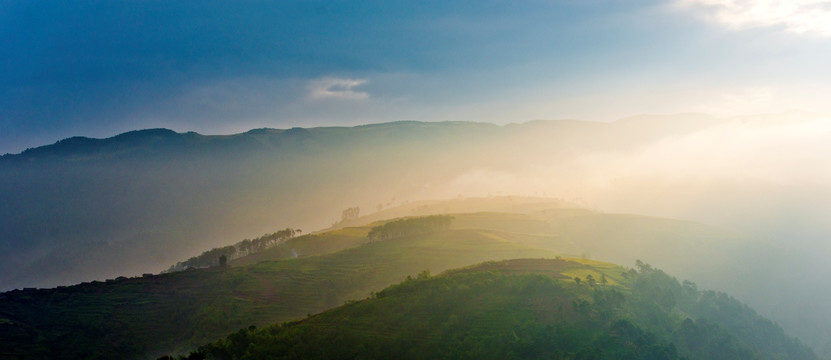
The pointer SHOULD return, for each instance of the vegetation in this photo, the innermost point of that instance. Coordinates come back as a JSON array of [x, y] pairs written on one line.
[[175, 312], [350, 214], [189, 192], [522, 309], [410, 226], [245, 247]]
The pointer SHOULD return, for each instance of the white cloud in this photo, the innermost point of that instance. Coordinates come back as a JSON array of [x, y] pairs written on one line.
[[796, 16], [340, 88]]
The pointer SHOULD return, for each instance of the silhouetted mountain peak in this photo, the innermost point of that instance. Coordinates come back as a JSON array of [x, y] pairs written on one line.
[[79, 147], [264, 131], [145, 134]]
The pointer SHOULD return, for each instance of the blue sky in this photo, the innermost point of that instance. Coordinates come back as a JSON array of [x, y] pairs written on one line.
[[98, 68]]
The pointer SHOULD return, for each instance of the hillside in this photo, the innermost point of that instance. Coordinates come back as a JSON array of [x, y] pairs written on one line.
[[674, 245], [245, 176], [84, 209], [141, 317], [146, 316], [525, 309]]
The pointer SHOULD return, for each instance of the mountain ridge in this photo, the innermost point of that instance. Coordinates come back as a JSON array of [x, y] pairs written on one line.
[[525, 308], [75, 143]]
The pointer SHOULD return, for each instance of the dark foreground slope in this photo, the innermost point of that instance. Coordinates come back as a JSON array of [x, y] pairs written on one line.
[[525, 309], [146, 316]]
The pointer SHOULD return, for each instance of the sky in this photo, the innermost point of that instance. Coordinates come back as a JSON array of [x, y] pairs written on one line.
[[99, 68]]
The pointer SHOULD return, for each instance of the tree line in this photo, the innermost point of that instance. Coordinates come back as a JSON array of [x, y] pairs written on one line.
[[245, 247]]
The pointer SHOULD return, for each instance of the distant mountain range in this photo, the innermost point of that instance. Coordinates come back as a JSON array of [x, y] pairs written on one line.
[[84, 209], [93, 209]]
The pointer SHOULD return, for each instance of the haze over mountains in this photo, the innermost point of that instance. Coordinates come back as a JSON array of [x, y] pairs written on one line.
[[85, 209], [102, 208], [138, 201], [245, 163]]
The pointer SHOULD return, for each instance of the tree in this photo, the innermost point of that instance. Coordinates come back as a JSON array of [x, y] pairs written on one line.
[[245, 246], [350, 213], [590, 280], [223, 260], [643, 268]]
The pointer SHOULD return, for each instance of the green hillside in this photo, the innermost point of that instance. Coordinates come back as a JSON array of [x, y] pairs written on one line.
[[670, 244], [140, 317], [525, 309], [175, 312]]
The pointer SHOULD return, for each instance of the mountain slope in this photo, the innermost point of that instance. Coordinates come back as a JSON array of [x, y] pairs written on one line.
[[145, 316], [674, 245], [84, 209], [180, 310], [89, 209], [525, 309]]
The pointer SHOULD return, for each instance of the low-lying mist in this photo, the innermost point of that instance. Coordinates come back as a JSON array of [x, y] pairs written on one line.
[[767, 175], [764, 176], [86, 209]]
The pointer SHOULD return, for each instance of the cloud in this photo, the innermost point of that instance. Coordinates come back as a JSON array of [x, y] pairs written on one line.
[[795, 16], [339, 88]]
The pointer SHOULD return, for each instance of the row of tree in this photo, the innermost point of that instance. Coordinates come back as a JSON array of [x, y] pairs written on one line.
[[350, 214], [268, 240], [245, 247], [411, 226]]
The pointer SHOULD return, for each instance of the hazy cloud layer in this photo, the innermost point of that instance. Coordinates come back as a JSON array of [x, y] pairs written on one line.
[[339, 88], [725, 173], [797, 16]]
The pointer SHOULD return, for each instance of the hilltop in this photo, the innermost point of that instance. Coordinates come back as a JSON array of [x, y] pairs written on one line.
[[175, 312], [526, 309], [93, 209]]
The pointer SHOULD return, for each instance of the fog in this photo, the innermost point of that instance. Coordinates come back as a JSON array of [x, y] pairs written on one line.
[[766, 177], [94, 209], [760, 174]]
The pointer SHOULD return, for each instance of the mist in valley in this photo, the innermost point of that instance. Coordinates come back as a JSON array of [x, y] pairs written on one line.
[[96, 213], [764, 177], [87, 209], [194, 126]]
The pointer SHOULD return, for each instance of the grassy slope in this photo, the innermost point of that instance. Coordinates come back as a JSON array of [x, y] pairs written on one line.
[[674, 245], [716, 258], [176, 311], [310, 245], [526, 308]]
